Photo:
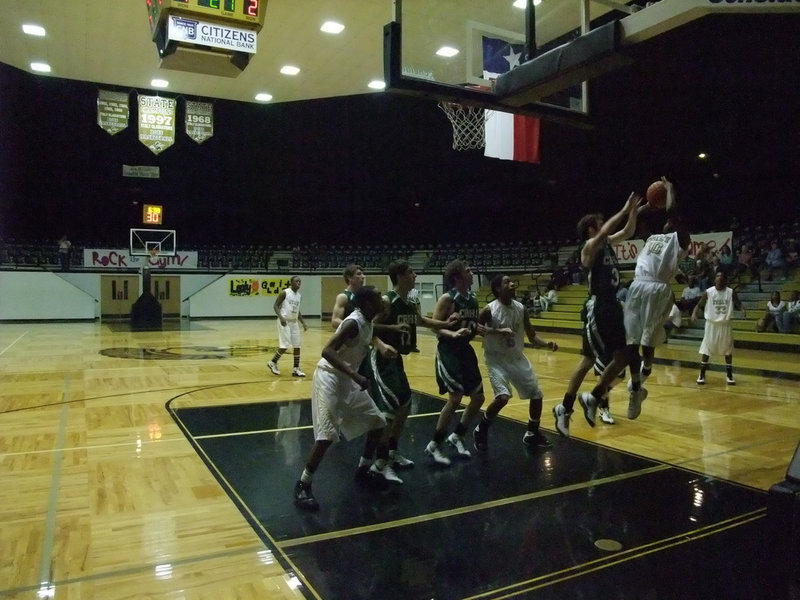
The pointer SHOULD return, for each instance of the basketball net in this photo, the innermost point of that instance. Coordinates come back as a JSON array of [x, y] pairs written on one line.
[[469, 132]]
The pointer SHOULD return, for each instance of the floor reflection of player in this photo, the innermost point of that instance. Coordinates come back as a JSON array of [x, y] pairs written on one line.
[[289, 418]]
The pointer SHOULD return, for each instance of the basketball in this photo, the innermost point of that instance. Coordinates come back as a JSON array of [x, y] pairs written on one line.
[[657, 194]]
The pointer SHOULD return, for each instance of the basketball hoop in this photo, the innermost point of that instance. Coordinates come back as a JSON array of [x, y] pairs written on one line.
[[468, 125]]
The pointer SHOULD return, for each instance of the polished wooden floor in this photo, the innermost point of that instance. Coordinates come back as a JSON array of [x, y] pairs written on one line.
[[104, 497]]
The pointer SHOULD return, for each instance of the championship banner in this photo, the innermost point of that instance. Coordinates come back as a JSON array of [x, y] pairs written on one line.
[[248, 287], [627, 251], [157, 122], [199, 120], [112, 111]]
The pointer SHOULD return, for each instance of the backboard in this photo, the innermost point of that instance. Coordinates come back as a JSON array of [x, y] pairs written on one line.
[[532, 57], [467, 50], [146, 242]]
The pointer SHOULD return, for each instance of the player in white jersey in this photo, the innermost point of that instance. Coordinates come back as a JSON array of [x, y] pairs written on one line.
[[650, 299], [287, 307], [717, 304], [507, 322], [340, 402]]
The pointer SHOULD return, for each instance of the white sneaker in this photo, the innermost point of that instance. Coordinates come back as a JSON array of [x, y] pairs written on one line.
[[296, 372], [562, 419], [385, 468], [589, 405], [635, 403], [273, 367], [432, 450], [730, 380], [458, 443], [399, 461], [605, 416], [701, 379]]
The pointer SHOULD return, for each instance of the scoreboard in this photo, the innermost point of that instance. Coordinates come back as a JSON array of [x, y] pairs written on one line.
[[247, 13]]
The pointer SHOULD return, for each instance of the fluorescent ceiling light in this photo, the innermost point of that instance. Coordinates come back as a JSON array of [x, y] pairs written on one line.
[[33, 29], [263, 97], [332, 27], [159, 83], [447, 51], [40, 67], [377, 84], [289, 70], [522, 3]]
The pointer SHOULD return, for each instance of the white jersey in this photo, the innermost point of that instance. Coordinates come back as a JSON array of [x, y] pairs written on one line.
[[291, 305], [659, 259], [355, 349], [719, 305], [511, 316]]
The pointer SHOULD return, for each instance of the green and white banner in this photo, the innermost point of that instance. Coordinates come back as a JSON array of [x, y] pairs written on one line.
[[199, 120], [157, 122], [112, 111]]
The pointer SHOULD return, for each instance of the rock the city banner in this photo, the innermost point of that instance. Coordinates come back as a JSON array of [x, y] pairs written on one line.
[[157, 122], [116, 258], [112, 111], [628, 250], [199, 120]]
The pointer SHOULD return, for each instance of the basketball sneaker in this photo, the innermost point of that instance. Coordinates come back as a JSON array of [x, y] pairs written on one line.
[[605, 416], [384, 468], [432, 450], [562, 416], [701, 379], [370, 477], [457, 442], [635, 403], [589, 405], [273, 367], [399, 461], [303, 498], [730, 380], [481, 438], [296, 372], [536, 440]]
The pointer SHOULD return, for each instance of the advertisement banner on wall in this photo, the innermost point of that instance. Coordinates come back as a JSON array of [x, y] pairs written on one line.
[[105, 258], [628, 250], [245, 287]]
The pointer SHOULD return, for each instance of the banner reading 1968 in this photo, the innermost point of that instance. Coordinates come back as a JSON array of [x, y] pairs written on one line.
[[199, 120], [156, 122]]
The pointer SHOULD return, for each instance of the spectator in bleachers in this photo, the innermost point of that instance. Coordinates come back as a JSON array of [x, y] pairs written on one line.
[[704, 271], [550, 297], [775, 260], [791, 254], [775, 306], [787, 320], [64, 249], [690, 295], [725, 261]]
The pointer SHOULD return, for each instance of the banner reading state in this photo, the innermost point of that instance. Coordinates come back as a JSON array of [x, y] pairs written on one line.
[[156, 122]]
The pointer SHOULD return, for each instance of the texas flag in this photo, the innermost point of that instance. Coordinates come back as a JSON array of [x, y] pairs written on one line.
[[508, 136]]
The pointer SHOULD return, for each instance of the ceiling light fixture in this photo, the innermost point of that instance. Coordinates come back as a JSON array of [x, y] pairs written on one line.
[[377, 84], [40, 67], [521, 3], [34, 29], [159, 83], [447, 51], [289, 70], [263, 97], [332, 27]]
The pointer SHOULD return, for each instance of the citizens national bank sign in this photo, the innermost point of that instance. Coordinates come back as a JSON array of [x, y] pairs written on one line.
[[213, 35]]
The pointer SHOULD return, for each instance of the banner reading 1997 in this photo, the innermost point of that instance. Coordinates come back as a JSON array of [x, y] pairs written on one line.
[[156, 122]]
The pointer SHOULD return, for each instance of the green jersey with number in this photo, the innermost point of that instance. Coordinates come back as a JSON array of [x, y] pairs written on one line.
[[401, 311], [604, 274]]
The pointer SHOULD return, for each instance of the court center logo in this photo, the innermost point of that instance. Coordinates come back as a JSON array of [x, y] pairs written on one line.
[[187, 352]]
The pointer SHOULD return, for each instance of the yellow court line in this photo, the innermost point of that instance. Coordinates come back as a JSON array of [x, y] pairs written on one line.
[[633, 553], [443, 514]]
